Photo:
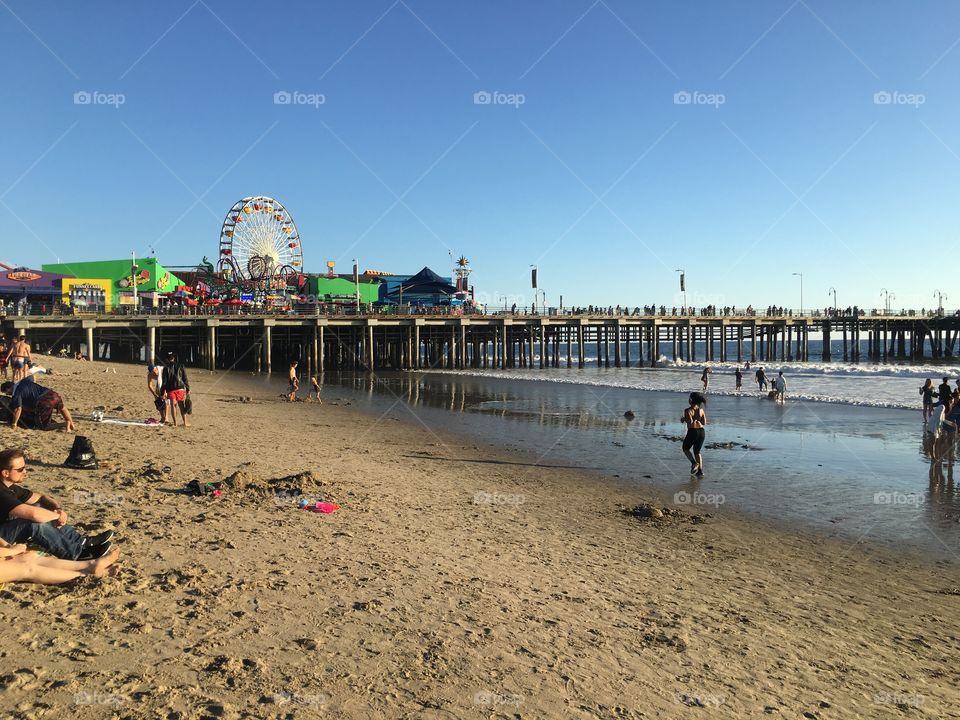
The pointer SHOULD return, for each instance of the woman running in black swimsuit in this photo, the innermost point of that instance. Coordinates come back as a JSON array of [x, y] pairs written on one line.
[[695, 419]]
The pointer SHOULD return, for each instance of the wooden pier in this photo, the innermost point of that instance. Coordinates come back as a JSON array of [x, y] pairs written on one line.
[[265, 343]]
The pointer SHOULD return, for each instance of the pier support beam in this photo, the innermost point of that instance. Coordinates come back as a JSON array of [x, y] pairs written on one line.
[[267, 348], [151, 345]]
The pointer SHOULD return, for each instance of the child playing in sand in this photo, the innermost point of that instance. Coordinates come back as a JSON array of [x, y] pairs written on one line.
[[315, 388], [17, 564]]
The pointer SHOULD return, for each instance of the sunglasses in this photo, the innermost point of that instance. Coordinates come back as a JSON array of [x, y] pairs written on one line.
[[22, 468]]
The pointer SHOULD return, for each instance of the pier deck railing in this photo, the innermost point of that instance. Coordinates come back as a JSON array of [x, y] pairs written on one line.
[[384, 340]]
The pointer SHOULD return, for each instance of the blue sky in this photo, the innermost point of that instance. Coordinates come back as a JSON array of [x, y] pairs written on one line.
[[785, 159]]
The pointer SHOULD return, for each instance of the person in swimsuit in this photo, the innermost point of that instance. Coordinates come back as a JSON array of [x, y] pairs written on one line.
[[739, 376], [695, 419], [18, 355], [315, 388], [928, 394], [294, 381], [705, 378], [3, 359], [155, 386]]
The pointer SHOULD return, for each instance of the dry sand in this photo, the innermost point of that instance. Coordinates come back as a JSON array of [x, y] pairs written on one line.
[[456, 581]]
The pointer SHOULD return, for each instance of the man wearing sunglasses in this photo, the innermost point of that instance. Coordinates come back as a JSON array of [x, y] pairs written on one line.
[[38, 519]]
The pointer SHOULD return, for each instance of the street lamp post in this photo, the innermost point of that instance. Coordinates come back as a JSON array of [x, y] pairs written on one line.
[[683, 287], [801, 290], [886, 302], [356, 281], [941, 297], [834, 291], [533, 281]]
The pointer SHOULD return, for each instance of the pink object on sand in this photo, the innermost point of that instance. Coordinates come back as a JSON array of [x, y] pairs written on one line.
[[325, 507]]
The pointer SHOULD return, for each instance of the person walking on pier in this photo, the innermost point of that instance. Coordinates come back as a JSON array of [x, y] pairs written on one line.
[[739, 375], [695, 419], [928, 394], [761, 379]]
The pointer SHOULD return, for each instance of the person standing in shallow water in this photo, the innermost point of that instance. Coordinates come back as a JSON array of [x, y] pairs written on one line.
[[761, 379], [739, 376], [928, 394], [695, 419]]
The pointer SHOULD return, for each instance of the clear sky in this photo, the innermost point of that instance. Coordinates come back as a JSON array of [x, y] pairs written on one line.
[[587, 163]]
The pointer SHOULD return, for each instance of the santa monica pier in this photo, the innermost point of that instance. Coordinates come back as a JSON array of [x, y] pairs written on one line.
[[255, 307]]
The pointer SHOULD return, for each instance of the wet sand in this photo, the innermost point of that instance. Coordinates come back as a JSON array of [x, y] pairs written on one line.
[[456, 580]]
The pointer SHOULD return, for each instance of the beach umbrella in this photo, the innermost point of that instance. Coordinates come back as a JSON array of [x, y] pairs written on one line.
[[212, 301]]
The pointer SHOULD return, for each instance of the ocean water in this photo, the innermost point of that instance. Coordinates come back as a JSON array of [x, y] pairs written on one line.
[[846, 456]]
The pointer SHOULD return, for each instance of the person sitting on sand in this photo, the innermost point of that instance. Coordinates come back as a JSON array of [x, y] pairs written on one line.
[[175, 387], [26, 516], [315, 388], [34, 397], [78, 356], [17, 564], [294, 381]]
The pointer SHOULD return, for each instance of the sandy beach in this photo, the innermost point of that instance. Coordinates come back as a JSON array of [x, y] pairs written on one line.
[[455, 581]]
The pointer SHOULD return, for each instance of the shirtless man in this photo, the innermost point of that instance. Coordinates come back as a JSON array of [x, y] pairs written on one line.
[[18, 356], [294, 381], [155, 386]]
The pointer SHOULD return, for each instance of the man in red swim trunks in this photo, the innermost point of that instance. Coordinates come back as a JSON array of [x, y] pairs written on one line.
[[175, 387]]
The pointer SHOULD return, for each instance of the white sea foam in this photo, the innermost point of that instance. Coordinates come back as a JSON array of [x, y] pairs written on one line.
[[866, 385]]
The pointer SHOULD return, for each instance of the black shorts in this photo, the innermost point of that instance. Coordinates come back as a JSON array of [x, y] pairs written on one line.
[[694, 439]]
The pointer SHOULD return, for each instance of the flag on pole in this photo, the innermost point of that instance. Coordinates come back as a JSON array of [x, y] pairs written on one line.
[[533, 278], [682, 284]]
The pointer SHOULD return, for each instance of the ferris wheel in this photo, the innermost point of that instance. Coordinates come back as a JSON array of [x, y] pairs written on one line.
[[259, 241]]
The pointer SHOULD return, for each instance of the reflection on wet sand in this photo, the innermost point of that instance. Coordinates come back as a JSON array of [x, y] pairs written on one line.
[[455, 395], [943, 451]]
